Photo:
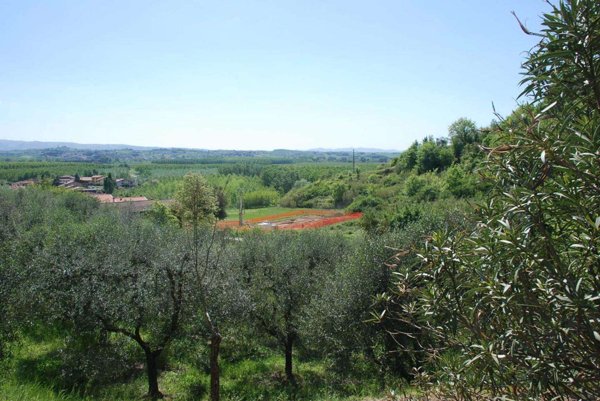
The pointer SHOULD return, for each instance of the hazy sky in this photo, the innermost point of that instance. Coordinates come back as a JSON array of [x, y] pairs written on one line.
[[257, 74]]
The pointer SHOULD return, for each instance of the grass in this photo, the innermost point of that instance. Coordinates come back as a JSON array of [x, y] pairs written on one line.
[[349, 229], [232, 214], [11, 391], [260, 377]]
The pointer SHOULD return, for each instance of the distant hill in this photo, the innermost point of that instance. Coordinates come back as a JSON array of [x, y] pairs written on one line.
[[357, 150], [9, 145]]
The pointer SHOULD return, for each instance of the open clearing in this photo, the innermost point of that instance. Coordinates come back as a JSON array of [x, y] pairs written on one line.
[[232, 213], [292, 219]]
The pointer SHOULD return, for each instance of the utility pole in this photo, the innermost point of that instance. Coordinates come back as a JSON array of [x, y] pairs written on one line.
[[241, 199], [353, 162]]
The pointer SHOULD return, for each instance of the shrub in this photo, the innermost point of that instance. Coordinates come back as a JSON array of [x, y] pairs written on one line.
[[459, 182], [512, 303], [261, 198], [363, 203], [426, 187]]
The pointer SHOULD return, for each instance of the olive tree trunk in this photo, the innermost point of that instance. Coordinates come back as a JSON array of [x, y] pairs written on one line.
[[289, 343], [215, 347], [152, 372]]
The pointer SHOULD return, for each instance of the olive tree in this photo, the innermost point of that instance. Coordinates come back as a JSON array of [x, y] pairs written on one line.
[[284, 271], [220, 301], [116, 274], [336, 322], [213, 272], [8, 233], [27, 216]]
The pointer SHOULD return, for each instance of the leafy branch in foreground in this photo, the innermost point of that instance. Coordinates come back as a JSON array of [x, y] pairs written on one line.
[[513, 305]]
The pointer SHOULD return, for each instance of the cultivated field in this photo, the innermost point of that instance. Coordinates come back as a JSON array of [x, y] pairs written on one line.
[[292, 219]]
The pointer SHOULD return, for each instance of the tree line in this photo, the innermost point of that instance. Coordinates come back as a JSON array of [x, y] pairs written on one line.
[[106, 280]]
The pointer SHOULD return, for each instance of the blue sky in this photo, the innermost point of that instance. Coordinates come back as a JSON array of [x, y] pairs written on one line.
[[257, 74]]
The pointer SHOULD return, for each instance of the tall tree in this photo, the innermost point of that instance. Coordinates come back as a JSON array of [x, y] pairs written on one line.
[[109, 184], [462, 132], [221, 198], [198, 204], [196, 200]]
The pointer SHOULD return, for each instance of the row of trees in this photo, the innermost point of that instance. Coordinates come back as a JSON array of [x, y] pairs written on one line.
[[462, 144], [106, 278]]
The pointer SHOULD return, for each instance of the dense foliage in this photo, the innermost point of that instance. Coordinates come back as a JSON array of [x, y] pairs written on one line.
[[106, 292], [511, 306], [474, 271]]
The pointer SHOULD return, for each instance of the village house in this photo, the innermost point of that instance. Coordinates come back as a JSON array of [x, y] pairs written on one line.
[[71, 182], [132, 203], [85, 180], [97, 180], [108, 198], [103, 198], [123, 183], [64, 180], [93, 180], [72, 185], [22, 184]]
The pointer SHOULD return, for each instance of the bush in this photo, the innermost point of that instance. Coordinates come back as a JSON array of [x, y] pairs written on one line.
[[459, 182], [426, 187], [414, 184], [404, 216], [315, 195], [433, 157], [363, 203], [260, 198], [512, 303]]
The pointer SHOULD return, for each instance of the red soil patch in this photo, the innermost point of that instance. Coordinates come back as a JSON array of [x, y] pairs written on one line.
[[294, 220], [301, 224]]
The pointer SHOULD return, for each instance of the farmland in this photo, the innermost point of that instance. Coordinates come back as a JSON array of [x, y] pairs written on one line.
[[291, 219]]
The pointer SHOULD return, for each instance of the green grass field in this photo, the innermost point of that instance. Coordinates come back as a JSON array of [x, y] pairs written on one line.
[[232, 214], [349, 229], [34, 373]]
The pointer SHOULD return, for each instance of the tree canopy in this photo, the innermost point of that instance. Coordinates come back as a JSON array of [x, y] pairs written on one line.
[[512, 305]]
